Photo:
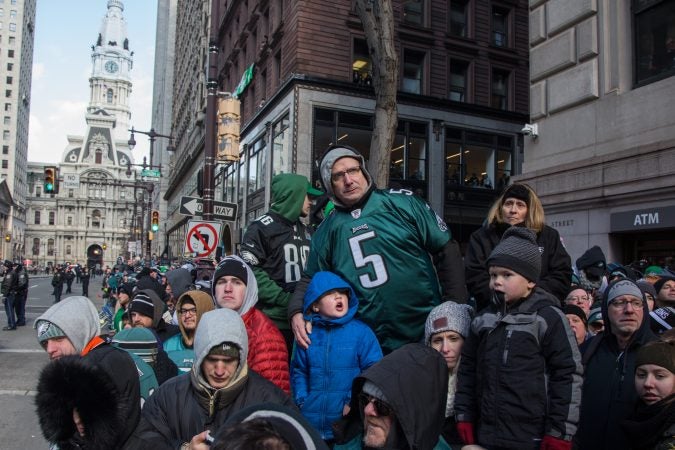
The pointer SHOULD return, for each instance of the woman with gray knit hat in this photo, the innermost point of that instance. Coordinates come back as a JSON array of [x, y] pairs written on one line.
[[519, 384], [445, 330], [517, 206]]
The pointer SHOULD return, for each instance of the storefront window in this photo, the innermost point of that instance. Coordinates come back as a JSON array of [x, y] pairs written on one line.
[[230, 184], [281, 155], [477, 160], [256, 164], [408, 168]]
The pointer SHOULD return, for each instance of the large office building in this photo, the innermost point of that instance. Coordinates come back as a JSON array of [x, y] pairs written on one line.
[[603, 160], [304, 75], [17, 33]]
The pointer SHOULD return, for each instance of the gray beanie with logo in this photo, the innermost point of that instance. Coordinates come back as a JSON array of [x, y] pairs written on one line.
[[448, 316], [518, 251], [326, 166]]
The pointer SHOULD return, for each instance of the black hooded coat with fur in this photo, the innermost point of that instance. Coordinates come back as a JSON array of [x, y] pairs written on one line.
[[105, 391]]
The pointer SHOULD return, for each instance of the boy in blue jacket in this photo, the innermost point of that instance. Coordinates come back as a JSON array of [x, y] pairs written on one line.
[[342, 347]]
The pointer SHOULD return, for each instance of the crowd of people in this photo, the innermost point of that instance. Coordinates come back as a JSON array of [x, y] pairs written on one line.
[[370, 331]]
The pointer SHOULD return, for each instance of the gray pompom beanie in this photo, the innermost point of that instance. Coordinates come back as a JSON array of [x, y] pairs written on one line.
[[332, 155], [448, 316], [518, 251]]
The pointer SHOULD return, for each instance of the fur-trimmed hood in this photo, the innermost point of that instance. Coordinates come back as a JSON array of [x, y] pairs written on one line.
[[72, 382]]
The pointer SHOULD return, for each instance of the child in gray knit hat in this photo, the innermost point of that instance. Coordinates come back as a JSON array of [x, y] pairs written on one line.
[[519, 360]]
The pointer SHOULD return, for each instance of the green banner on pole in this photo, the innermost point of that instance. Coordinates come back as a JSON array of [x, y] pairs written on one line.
[[245, 81]]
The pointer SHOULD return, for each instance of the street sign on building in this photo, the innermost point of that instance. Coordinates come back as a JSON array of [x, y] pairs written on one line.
[[193, 206], [71, 180], [151, 173], [202, 238]]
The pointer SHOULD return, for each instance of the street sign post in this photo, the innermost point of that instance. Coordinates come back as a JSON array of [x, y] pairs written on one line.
[[193, 206], [202, 238]]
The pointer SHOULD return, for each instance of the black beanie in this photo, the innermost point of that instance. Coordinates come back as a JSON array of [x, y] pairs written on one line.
[[518, 251], [575, 310], [142, 304], [660, 282], [517, 191], [232, 267]]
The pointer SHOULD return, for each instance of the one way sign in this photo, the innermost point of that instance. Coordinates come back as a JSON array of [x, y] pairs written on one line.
[[193, 206]]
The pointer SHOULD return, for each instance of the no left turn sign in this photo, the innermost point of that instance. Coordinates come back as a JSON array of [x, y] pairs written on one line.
[[202, 238]]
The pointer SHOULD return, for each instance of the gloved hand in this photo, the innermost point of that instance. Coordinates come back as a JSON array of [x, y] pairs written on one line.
[[552, 443], [465, 430]]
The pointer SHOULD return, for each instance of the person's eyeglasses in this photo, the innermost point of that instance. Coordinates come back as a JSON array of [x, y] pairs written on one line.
[[621, 304], [352, 172], [381, 408], [186, 312], [577, 300]]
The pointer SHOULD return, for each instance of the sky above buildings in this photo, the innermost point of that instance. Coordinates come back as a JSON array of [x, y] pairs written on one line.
[[64, 33]]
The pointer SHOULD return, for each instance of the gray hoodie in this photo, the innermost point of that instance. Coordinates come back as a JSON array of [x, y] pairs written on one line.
[[77, 317], [216, 327]]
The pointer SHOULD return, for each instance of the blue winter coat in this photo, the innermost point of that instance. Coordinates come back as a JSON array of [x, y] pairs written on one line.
[[322, 375]]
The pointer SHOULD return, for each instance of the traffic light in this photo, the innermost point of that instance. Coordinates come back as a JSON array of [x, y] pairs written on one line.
[[228, 129], [155, 221], [8, 237], [50, 180]]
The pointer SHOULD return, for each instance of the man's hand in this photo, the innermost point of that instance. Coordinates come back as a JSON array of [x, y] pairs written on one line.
[[301, 330], [198, 442]]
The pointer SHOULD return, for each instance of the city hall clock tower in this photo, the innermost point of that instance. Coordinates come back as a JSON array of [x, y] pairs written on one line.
[[110, 81]]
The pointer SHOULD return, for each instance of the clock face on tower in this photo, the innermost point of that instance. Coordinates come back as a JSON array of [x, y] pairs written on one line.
[[111, 66]]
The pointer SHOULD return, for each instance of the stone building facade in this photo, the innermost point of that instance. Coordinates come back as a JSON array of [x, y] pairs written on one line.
[[601, 95]]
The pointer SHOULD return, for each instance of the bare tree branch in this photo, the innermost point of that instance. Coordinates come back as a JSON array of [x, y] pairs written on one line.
[[377, 17]]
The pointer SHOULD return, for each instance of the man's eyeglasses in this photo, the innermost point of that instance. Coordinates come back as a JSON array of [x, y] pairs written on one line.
[[621, 304], [577, 300], [381, 408], [186, 312], [352, 172]]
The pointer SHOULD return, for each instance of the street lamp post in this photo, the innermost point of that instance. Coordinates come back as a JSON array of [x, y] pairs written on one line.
[[211, 112], [152, 135]]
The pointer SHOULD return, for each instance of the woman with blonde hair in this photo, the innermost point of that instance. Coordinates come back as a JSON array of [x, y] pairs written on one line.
[[517, 206]]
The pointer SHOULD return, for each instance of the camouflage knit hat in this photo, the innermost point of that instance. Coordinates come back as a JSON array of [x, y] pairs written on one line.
[[48, 330]]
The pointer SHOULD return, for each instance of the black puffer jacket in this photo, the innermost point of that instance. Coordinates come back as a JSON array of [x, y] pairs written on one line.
[[521, 374], [609, 394], [556, 265], [414, 379]]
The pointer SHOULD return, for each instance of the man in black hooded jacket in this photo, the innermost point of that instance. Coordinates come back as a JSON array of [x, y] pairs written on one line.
[[399, 402], [609, 394]]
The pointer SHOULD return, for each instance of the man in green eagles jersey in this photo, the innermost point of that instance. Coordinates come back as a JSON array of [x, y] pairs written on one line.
[[393, 249]]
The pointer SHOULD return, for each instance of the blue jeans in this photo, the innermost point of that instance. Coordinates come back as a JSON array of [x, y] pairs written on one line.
[[9, 310]]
